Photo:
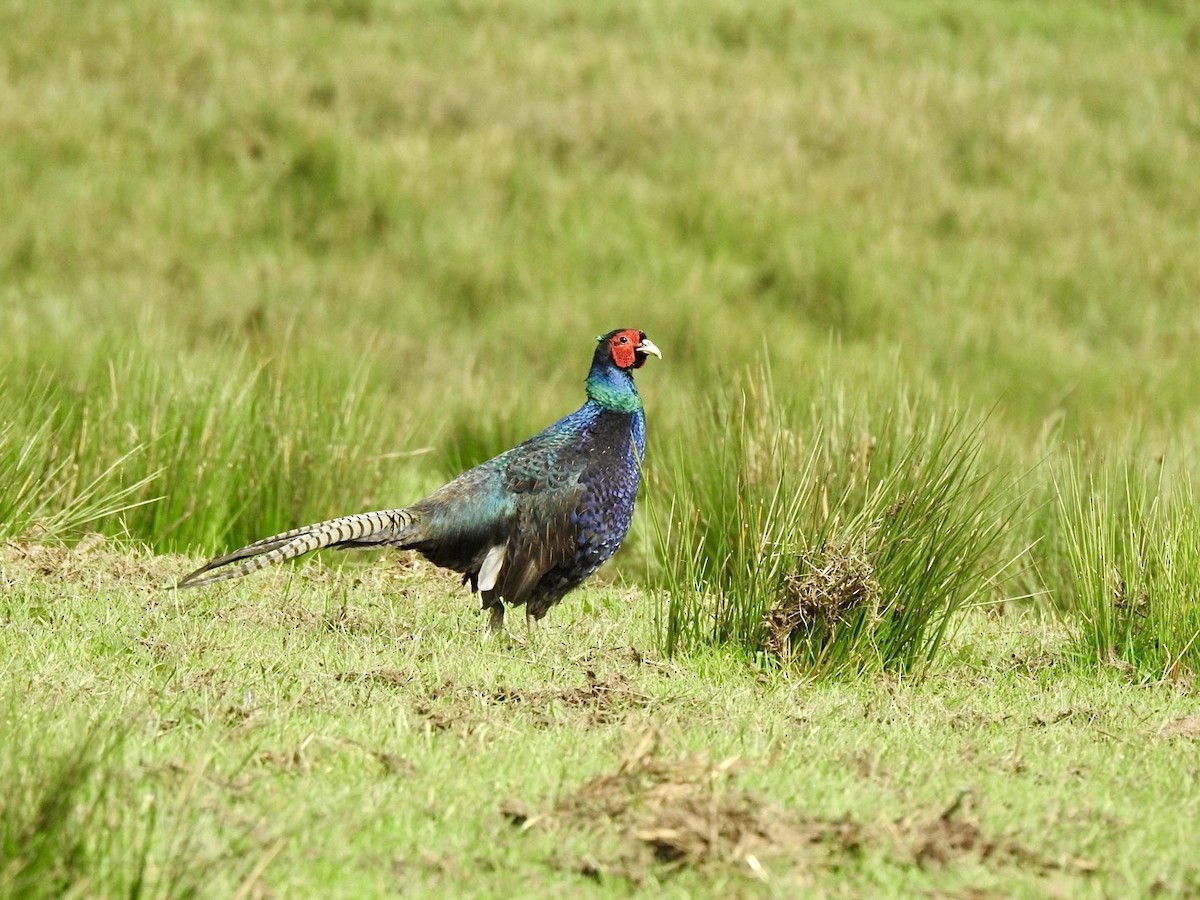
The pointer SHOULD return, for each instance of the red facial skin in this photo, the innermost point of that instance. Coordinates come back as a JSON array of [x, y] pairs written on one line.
[[623, 346]]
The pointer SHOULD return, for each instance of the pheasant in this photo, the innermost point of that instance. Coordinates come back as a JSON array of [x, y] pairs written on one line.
[[526, 526]]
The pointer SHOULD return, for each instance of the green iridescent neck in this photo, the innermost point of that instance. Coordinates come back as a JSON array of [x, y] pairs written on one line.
[[613, 389]]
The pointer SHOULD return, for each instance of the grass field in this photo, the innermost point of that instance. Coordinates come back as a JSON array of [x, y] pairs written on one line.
[[355, 735], [924, 277]]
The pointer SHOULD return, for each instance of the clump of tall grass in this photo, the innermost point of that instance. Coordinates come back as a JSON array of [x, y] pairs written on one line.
[[835, 538], [1133, 544], [43, 486], [205, 456]]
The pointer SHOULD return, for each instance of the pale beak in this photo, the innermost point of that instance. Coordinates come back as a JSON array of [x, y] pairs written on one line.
[[647, 347]]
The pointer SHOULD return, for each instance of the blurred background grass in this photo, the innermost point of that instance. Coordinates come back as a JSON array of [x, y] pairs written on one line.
[[1002, 197]]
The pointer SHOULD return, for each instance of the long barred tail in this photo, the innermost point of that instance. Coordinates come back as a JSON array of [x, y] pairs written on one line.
[[387, 526]]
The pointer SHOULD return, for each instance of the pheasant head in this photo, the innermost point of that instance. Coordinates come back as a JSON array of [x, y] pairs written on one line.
[[618, 353]]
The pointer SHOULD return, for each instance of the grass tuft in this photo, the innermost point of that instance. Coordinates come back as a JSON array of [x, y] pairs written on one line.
[[1133, 542], [848, 545], [43, 486], [211, 458]]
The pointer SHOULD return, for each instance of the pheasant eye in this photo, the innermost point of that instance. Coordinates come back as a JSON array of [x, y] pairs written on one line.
[[624, 340]]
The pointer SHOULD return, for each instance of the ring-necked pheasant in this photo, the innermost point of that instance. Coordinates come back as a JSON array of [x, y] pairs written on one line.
[[524, 527]]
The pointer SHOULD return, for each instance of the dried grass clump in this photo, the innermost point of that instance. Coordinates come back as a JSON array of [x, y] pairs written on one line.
[[665, 815], [684, 812], [825, 589]]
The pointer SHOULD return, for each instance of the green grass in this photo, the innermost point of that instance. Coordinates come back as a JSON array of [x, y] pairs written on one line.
[[1134, 546], [859, 533], [44, 487], [77, 821], [266, 263], [357, 734], [208, 456]]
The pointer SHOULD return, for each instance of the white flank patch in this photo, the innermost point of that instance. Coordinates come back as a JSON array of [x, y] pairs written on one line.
[[489, 572]]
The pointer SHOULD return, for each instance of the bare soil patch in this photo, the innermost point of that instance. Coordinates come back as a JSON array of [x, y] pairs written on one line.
[[1186, 728]]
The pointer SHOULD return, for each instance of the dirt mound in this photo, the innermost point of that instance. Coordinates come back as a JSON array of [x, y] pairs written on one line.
[[682, 813], [690, 813], [955, 835]]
